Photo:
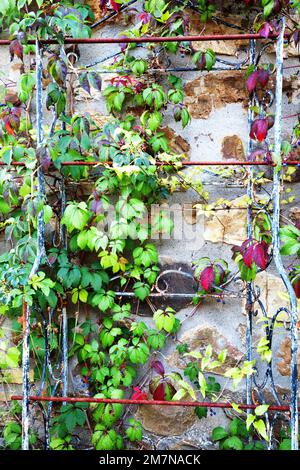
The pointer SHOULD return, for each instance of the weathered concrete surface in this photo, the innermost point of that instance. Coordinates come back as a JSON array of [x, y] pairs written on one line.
[[218, 131]]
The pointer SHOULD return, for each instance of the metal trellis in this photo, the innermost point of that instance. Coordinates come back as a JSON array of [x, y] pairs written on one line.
[[28, 400]]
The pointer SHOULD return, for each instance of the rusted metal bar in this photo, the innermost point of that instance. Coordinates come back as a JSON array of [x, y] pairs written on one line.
[[183, 163], [291, 116], [276, 243], [128, 401], [149, 39]]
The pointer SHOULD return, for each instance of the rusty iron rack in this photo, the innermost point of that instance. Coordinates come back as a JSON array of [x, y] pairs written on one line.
[[128, 401], [183, 163], [146, 39], [251, 383]]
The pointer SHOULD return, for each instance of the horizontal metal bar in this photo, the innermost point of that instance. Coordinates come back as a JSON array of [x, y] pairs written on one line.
[[148, 39], [291, 116], [184, 163], [128, 401]]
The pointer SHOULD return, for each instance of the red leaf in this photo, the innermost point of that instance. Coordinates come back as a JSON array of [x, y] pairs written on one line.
[[144, 17], [259, 129], [16, 48], [115, 6], [296, 286], [11, 119], [248, 256], [8, 127], [138, 394], [263, 77], [159, 392], [252, 81], [158, 367], [207, 278], [260, 255]]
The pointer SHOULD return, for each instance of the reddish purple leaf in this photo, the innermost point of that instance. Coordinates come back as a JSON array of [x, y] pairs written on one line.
[[96, 206], [265, 30], [220, 273], [248, 256], [158, 367], [52, 259], [84, 82], [296, 286], [16, 49], [95, 80], [263, 77], [201, 64], [252, 81], [115, 6], [296, 37], [256, 153], [103, 5], [260, 255], [277, 6], [207, 278], [144, 17], [45, 159], [259, 129], [159, 392]]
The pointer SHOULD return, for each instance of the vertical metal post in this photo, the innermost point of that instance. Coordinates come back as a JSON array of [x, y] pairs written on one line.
[[39, 255], [64, 352], [25, 377], [64, 309], [249, 235], [276, 241]]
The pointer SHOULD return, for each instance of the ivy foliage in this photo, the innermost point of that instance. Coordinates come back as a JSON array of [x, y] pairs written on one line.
[[86, 259]]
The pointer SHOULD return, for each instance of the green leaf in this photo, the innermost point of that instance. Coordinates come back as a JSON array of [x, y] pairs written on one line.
[[134, 431], [201, 412], [286, 444], [141, 290], [70, 420], [232, 443], [164, 319], [268, 7], [219, 433], [260, 426], [261, 409], [76, 216], [250, 420], [12, 357], [238, 428]]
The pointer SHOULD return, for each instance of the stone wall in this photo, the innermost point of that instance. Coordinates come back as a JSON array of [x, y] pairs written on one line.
[[217, 102]]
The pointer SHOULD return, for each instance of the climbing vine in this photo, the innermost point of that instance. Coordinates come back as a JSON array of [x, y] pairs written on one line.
[[97, 245]]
